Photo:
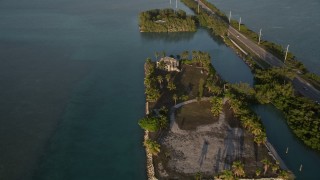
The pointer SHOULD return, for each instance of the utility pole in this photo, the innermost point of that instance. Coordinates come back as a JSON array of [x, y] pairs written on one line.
[[170, 2], [230, 17], [239, 23], [259, 36], [285, 57], [176, 4]]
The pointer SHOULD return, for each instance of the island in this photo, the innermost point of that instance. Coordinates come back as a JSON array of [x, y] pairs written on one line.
[[199, 126], [280, 79], [166, 20]]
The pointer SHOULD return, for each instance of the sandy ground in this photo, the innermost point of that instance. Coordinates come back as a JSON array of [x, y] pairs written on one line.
[[208, 149]]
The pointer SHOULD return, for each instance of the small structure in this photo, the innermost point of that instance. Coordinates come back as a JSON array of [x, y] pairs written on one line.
[[169, 64]]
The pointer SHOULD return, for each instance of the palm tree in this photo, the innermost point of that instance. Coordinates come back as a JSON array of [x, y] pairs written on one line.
[[195, 56], [216, 110], [168, 77], [225, 175], [163, 122], [216, 90], [152, 146], [247, 122], [283, 174], [266, 164], [275, 168], [185, 55], [198, 176], [156, 54], [171, 86], [258, 172], [175, 98], [238, 169], [260, 139], [160, 80], [256, 129], [217, 106], [235, 105]]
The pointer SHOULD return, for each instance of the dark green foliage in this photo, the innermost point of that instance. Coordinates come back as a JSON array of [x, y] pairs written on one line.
[[217, 106], [303, 115], [239, 104], [242, 89], [149, 123], [166, 20], [215, 10], [215, 22], [150, 81], [153, 124]]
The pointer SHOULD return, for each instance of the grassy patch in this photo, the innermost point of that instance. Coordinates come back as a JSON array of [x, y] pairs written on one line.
[[195, 114]]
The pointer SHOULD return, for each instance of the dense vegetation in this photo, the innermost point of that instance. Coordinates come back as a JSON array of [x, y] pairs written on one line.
[[213, 22], [238, 96], [274, 85], [303, 115], [166, 20]]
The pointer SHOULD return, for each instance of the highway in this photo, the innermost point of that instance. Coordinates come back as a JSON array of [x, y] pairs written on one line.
[[299, 84]]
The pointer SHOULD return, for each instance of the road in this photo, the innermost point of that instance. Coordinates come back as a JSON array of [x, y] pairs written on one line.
[[299, 83]]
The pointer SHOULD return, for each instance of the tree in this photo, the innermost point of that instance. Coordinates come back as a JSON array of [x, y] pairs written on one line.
[[258, 172], [175, 98], [260, 139], [226, 175], [152, 146], [238, 169], [266, 164], [149, 123], [283, 174], [256, 129], [160, 80], [217, 106], [184, 55], [163, 122], [171, 86], [152, 94], [275, 168], [198, 176], [213, 88], [168, 77]]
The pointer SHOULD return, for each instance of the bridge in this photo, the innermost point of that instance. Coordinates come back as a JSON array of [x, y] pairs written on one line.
[[299, 84]]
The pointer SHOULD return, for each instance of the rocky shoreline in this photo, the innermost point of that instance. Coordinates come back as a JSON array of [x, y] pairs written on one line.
[[150, 167]]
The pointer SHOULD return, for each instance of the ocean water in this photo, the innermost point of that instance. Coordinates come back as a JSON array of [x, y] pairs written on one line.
[[71, 86], [71, 81]]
